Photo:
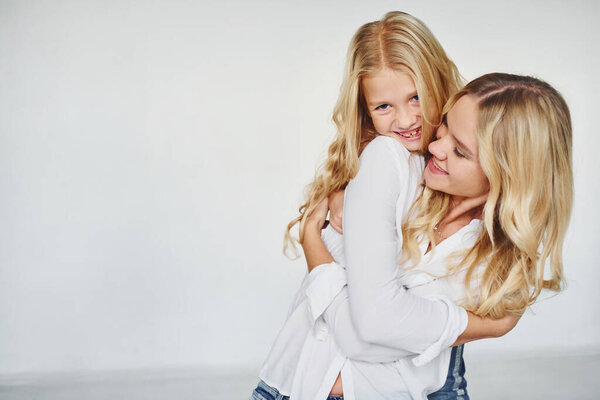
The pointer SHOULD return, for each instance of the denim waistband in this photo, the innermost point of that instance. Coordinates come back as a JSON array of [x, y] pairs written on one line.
[[274, 392]]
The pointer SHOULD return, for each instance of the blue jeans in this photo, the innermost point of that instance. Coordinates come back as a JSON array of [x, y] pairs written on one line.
[[455, 387], [266, 392]]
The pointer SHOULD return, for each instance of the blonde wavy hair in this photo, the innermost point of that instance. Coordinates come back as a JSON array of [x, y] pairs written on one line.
[[400, 42], [524, 141]]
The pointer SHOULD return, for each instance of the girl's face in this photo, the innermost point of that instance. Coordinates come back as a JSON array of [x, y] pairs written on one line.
[[454, 167], [393, 105]]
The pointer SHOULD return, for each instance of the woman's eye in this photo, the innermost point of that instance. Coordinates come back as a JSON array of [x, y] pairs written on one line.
[[415, 97], [383, 107], [458, 153]]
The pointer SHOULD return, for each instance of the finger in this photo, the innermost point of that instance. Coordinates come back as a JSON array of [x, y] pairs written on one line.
[[335, 226]]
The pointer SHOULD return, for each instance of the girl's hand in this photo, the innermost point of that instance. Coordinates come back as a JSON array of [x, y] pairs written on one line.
[[336, 208], [316, 219], [315, 251]]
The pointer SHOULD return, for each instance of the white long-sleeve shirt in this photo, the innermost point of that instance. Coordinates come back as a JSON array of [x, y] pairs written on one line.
[[306, 357]]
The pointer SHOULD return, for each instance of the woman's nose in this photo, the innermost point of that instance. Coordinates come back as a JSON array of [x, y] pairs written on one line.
[[437, 149]]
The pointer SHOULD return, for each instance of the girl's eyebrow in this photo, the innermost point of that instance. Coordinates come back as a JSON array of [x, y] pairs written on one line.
[[377, 103]]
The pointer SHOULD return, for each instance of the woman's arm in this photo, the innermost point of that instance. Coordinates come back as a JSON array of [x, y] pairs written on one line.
[[486, 328]]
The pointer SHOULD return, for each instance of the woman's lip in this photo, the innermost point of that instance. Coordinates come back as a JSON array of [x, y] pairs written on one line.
[[416, 131], [434, 168]]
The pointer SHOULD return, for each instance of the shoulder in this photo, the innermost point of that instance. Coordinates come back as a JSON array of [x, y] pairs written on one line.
[[384, 147]]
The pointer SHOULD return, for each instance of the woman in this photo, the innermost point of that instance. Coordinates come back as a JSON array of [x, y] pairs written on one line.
[[422, 78], [493, 213]]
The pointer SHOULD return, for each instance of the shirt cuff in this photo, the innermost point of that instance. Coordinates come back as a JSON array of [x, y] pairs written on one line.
[[326, 281], [456, 324]]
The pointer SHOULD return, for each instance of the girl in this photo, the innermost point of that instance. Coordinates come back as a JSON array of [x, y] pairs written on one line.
[[489, 195], [419, 78]]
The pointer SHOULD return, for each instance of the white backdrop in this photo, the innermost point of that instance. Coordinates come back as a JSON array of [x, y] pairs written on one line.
[[152, 152]]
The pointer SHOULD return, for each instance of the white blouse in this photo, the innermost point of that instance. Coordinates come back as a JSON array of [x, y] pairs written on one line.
[[374, 317]]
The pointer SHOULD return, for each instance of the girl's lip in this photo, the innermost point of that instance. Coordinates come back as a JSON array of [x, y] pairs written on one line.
[[435, 169], [406, 135]]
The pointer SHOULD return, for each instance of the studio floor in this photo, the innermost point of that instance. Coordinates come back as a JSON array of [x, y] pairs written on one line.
[[530, 377]]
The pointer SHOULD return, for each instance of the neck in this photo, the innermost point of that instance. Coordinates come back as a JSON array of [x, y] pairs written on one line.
[[464, 209]]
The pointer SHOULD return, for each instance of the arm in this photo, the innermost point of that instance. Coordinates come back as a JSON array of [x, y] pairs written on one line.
[[439, 322], [381, 309], [477, 327], [485, 328], [338, 318], [383, 169], [336, 208]]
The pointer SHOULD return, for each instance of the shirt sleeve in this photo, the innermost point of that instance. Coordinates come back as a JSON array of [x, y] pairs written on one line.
[[377, 310]]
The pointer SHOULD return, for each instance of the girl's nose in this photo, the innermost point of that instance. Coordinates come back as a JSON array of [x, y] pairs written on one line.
[[406, 118]]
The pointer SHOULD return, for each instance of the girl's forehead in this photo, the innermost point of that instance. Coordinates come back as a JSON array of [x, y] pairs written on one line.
[[387, 79]]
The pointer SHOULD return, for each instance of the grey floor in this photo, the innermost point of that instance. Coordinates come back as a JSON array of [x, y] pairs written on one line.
[[493, 377]]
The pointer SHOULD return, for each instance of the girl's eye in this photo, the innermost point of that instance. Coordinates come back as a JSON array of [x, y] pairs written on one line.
[[415, 97], [383, 107], [458, 153], [444, 121]]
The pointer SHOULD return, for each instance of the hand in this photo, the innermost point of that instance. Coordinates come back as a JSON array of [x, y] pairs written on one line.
[[336, 208], [316, 219], [484, 328], [315, 251], [506, 324]]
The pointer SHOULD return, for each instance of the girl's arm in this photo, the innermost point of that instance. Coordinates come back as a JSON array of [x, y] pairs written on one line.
[[381, 309], [339, 319], [315, 251], [404, 324], [477, 327]]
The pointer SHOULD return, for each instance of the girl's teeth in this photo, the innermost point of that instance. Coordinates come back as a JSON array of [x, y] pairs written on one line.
[[409, 135]]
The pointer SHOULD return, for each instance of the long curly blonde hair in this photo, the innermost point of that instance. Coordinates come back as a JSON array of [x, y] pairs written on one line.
[[400, 42], [524, 141]]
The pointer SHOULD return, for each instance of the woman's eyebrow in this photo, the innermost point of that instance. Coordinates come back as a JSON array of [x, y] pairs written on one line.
[[463, 146]]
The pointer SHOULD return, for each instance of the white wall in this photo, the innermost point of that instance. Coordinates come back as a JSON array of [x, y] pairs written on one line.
[[151, 154]]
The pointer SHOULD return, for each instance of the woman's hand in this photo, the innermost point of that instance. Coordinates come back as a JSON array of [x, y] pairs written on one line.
[[506, 324], [484, 328], [336, 208]]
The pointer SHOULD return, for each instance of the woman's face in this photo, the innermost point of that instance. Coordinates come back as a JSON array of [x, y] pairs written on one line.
[[393, 105], [454, 167]]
